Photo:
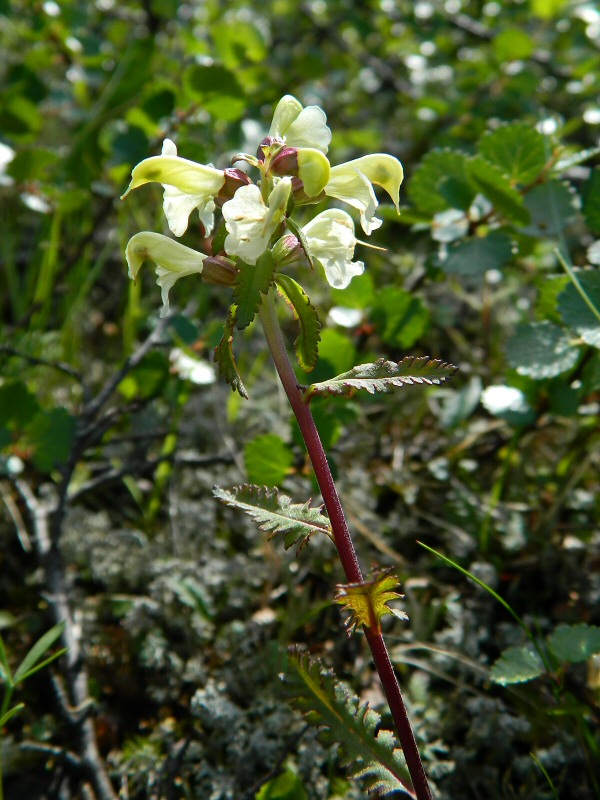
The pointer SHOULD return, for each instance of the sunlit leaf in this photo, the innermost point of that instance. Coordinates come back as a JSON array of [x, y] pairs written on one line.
[[307, 342], [517, 665], [517, 149], [575, 643], [492, 183], [268, 459], [542, 350], [577, 313], [400, 316], [253, 281], [367, 602], [436, 170]]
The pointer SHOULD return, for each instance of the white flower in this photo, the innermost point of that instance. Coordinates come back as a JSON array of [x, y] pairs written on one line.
[[251, 223], [353, 182], [299, 126], [187, 186], [330, 240], [173, 260]]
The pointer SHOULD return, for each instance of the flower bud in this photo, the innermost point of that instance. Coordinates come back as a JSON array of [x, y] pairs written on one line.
[[266, 143], [285, 162], [234, 178], [219, 271], [288, 252]]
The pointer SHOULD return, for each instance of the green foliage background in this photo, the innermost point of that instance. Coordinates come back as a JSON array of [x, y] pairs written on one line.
[[186, 610]]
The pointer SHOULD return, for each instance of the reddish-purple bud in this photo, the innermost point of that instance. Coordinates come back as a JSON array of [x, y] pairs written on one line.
[[288, 252], [285, 162], [219, 271], [266, 144], [234, 178]]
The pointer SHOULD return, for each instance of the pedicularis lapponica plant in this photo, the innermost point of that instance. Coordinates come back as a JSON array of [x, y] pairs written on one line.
[[254, 249]]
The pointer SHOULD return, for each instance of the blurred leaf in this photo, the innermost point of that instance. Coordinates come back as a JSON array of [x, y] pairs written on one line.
[[512, 44], [517, 665], [478, 255], [591, 202], [576, 312], [18, 405], [439, 169], [575, 643], [237, 41], [400, 316], [147, 378], [217, 90], [268, 460], [51, 435], [551, 207], [547, 9], [184, 328], [541, 350], [492, 183], [287, 786], [517, 149], [30, 663]]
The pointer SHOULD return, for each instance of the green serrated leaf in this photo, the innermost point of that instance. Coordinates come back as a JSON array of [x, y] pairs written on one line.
[[492, 183], [268, 459], [517, 665], [373, 758], [400, 316], [591, 202], [367, 602], [307, 343], [385, 376], [251, 283], [576, 313], [30, 664], [276, 513], [478, 255], [224, 358], [575, 643], [541, 350], [517, 149], [437, 169]]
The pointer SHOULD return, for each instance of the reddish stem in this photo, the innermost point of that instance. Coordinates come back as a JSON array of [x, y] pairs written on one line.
[[343, 542]]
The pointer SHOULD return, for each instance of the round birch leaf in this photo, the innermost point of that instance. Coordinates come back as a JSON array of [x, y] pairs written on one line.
[[575, 311], [517, 665], [438, 169], [575, 643], [550, 206], [541, 350], [518, 149]]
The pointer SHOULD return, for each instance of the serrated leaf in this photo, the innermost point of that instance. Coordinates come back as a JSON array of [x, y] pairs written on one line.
[[307, 342], [385, 376], [492, 183], [440, 173], [517, 665], [275, 513], [373, 758], [252, 281], [224, 358], [517, 149], [575, 643], [577, 313], [367, 602], [478, 255], [268, 459], [541, 350]]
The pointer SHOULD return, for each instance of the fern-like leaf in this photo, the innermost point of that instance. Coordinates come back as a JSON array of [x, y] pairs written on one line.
[[368, 601], [223, 356], [385, 376], [252, 282], [276, 513], [307, 342], [372, 758]]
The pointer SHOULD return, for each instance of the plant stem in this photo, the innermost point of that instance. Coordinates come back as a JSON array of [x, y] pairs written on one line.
[[343, 540]]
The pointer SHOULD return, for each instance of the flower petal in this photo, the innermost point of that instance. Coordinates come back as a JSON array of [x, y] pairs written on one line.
[[251, 223], [300, 127], [172, 259], [352, 183], [331, 241]]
